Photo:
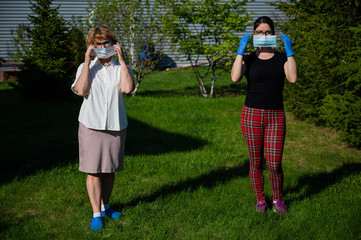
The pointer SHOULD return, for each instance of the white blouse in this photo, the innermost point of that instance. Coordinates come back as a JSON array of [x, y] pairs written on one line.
[[103, 108]]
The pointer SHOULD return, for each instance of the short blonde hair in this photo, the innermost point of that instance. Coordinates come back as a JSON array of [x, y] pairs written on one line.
[[100, 32]]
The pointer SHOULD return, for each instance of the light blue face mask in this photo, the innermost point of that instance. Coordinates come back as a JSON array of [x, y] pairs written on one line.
[[104, 52], [264, 41]]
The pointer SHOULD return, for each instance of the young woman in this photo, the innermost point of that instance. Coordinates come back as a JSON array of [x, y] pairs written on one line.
[[263, 119], [102, 119]]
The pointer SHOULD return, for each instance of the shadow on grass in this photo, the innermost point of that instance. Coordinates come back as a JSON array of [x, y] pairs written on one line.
[[4, 225], [310, 185], [307, 185], [208, 180], [39, 136], [35, 135], [145, 139], [234, 89], [188, 91]]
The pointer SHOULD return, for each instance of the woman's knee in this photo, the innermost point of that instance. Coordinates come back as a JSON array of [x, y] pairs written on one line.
[[94, 176], [275, 167]]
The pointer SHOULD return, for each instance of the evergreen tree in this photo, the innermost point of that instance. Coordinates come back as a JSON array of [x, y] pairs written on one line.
[[49, 62], [326, 36]]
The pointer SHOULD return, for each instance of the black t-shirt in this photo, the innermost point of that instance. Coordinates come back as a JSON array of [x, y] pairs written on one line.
[[265, 81]]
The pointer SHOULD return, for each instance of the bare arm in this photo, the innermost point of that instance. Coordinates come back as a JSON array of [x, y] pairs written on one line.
[[290, 66], [82, 85], [291, 70], [238, 69], [126, 79]]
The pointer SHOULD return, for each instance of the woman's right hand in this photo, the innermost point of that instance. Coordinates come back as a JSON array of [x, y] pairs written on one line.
[[239, 68], [88, 57], [243, 44]]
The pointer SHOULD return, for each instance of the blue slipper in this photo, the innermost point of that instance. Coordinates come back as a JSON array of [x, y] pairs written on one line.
[[97, 224], [111, 213], [103, 214]]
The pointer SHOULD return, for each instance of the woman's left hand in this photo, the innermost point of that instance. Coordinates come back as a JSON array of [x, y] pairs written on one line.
[[119, 52], [288, 45]]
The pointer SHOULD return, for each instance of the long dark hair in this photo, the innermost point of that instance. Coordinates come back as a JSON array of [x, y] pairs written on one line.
[[266, 20]]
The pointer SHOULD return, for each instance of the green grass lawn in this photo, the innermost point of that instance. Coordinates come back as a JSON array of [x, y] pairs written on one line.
[[186, 171]]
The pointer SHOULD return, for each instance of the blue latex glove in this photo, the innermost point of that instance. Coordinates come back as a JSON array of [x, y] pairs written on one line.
[[288, 45], [243, 44]]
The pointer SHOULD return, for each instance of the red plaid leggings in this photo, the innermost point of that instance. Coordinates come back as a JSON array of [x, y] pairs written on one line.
[[264, 130]]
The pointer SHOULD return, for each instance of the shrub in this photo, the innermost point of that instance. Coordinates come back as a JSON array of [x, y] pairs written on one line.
[[138, 27], [207, 30], [78, 44], [49, 63], [343, 112], [327, 44]]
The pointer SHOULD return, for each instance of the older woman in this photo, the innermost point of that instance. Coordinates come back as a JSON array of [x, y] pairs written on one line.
[[102, 119], [263, 119]]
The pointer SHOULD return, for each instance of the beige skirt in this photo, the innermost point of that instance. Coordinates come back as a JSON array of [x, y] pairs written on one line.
[[100, 151]]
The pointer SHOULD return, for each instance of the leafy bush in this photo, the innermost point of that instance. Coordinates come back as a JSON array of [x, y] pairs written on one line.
[[49, 57], [78, 45], [138, 27], [327, 44], [343, 112], [207, 29]]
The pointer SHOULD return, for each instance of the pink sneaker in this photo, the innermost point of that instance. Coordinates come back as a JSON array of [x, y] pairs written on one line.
[[280, 207], [261, 207]]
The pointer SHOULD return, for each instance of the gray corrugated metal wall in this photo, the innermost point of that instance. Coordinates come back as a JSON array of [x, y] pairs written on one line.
[[15, 12], [262, 8]]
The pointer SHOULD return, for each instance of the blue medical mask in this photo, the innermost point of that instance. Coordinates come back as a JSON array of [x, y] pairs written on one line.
[[264, 41], [104, 52]]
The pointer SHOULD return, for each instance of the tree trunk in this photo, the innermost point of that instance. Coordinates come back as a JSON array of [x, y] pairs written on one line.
[[202, 88], [213, 81], [136, 89], [212, 88], [199, 78]]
